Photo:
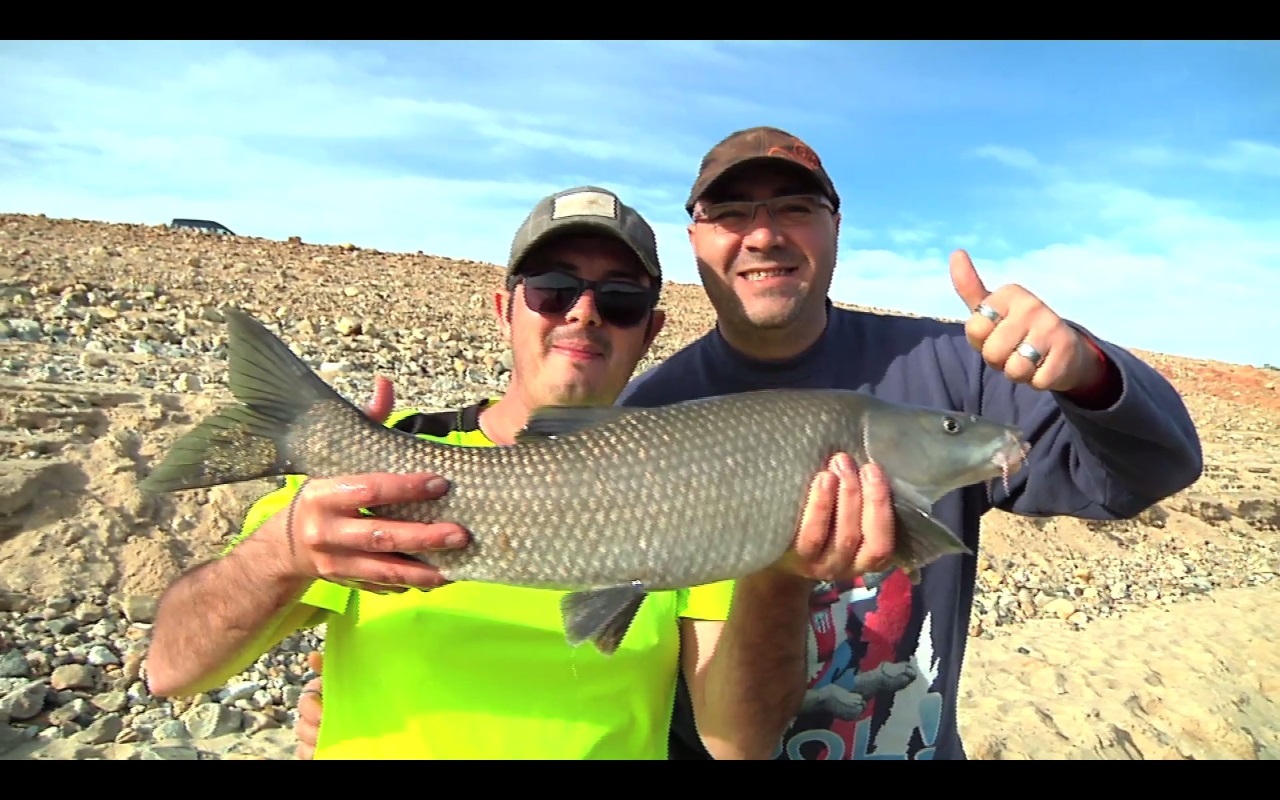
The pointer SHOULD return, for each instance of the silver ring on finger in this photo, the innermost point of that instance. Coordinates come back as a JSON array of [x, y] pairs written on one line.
[[988, 312], [1030, 353]]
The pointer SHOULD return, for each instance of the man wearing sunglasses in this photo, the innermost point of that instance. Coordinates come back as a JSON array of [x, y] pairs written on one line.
[[475, 670], [1110, 437]]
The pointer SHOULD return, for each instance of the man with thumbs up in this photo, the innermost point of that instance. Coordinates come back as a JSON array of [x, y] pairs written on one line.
[[869, 668]]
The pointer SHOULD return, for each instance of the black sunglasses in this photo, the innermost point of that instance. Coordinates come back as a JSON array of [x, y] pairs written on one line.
[[620, 303]]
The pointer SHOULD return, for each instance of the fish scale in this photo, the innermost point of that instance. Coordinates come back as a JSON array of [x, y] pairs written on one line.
[[606, 504]]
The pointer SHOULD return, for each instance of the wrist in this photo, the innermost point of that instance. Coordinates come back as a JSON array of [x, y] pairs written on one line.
[[1097, 365], [1101, 385], [775, 585], [268, 555]]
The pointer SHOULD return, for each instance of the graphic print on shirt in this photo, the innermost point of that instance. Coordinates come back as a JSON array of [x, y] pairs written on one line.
[[866, 700]]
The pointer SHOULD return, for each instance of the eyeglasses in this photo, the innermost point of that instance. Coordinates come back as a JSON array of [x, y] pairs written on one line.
[[789, 211], [620, 303]]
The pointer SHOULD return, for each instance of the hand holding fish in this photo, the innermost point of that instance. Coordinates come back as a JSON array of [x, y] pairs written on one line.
[[329, 538], [848, 524], [1021, 336]]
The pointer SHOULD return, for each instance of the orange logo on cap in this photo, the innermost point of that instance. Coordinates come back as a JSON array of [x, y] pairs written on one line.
[[799, 151]]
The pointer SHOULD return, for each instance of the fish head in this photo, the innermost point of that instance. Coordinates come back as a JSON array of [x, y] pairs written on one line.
[[937, 451]]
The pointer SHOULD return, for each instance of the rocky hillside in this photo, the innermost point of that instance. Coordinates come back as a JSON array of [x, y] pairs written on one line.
[[112, 344]]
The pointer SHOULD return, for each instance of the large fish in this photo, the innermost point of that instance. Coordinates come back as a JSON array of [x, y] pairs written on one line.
[[605, 504]]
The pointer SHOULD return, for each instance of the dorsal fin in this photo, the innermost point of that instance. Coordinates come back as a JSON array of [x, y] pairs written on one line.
[[552, 421]]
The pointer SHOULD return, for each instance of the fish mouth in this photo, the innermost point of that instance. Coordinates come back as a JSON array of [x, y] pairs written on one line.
[[1011, 456]]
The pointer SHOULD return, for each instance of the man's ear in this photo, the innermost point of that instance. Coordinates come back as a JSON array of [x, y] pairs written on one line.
[[656, 321], [502, 308]]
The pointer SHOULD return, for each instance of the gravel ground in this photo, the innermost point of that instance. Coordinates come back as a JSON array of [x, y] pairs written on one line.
[[69, 688]]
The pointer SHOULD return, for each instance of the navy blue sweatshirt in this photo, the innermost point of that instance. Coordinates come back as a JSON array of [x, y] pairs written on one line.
[[884, 656]]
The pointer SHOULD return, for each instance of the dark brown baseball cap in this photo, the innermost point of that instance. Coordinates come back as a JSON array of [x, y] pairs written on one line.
[[759, 144], [586, 209]]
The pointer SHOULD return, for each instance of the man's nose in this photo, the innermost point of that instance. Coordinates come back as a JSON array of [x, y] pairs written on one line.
[[584, 310], [763, 232]]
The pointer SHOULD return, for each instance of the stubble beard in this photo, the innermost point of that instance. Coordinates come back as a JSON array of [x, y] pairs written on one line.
[[772, 311], [767, 311], [562, 383]]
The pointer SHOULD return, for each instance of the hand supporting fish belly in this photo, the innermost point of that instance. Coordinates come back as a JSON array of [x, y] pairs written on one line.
[[606, 504], [848, 524]]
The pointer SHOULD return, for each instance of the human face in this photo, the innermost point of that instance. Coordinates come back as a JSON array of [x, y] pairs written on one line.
[[576, 357], [767, 274]]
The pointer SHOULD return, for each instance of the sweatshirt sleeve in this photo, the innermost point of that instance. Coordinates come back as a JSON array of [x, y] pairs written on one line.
[[1111, 463]]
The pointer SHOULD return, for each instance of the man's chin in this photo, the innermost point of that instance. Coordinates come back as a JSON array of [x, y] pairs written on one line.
[[578, 384], [576, 366], [773, 312]]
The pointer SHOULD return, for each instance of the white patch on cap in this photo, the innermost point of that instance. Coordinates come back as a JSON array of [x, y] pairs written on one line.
[[585, 204]]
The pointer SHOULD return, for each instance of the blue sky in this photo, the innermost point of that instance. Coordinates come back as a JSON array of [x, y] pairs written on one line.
[[1134, 186]]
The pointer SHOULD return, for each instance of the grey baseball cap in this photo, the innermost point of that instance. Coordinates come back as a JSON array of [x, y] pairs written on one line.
[[586, 209]]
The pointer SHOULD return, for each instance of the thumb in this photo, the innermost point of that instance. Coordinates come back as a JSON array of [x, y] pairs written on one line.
[[966, 281], [384, 397]]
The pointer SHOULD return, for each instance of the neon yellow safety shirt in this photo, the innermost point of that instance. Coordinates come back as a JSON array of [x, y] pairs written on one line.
[[473, 670]]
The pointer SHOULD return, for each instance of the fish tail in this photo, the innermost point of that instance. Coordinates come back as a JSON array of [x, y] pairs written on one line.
[[276, 391]]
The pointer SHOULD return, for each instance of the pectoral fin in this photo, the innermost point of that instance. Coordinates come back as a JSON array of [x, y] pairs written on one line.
[[602, 616], [922, 539]]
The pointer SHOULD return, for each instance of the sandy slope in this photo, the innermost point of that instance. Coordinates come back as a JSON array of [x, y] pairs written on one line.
[[1198, 680]]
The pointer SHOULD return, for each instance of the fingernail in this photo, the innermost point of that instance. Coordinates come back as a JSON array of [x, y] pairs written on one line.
[[455, 540], [870, 473], [437, 485]]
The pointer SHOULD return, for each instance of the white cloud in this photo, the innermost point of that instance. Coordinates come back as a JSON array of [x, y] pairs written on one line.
[[910, 235], [1253, 158], [1238, 157], [1154, 272], [1014, 157]]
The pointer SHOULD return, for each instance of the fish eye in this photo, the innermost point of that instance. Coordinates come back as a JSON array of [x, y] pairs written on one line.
[[950, 425]]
